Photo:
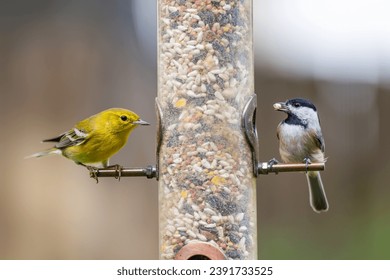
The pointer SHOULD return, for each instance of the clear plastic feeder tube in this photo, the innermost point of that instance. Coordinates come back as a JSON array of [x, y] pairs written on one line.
[[207, 188]]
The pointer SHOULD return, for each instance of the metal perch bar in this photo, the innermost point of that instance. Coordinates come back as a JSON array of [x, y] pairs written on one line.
[[265, 168], [150, 172]]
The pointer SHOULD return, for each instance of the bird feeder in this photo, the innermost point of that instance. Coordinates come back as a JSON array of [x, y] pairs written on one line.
[[207, 187], [207, 146]]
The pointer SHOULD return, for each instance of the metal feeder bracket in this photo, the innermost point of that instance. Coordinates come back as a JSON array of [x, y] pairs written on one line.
[[248, 124]]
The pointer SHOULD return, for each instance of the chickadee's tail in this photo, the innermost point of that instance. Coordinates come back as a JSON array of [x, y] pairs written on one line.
[[318, 200], [52, 151]]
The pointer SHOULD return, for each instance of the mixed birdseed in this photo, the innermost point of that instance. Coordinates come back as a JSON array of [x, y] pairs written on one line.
[[207, 188]]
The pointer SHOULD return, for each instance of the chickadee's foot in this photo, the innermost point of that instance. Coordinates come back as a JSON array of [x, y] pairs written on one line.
[[118, 170], [271, 163], [307, 161]]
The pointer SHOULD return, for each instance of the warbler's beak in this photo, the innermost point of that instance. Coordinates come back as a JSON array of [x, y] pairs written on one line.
[[141, 122], [281, 106]]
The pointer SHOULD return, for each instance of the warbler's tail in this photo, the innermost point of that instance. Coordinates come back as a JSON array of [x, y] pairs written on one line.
[[52, 151]]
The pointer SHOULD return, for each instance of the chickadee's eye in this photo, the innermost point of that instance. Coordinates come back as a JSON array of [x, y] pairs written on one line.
[[124, 118], [296, 104]]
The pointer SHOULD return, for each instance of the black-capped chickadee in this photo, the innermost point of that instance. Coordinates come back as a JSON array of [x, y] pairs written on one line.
[[300, 140]]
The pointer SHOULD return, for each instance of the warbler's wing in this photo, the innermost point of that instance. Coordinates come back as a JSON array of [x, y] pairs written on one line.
[[76, 136], [54, 139], [73, 137]]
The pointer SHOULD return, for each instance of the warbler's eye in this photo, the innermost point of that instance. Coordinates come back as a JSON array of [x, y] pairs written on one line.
[[296, 104], [124, 118]]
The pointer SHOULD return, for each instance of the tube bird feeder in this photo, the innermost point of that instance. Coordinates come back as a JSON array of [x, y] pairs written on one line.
[[207, 158]]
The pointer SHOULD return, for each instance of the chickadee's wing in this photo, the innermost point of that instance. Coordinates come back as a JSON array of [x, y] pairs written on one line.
[[319, 140], [321, 143]]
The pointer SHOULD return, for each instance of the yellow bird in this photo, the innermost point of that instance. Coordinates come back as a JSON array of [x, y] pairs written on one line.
[[91, 142]]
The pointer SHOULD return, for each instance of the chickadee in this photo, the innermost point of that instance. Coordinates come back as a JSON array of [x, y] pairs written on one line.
[[300, 140]]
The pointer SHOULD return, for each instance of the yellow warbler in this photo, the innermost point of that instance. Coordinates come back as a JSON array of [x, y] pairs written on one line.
[[94, 140]]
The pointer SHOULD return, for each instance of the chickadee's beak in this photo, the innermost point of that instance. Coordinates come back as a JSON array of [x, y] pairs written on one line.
[[141, 122], [280, 106]]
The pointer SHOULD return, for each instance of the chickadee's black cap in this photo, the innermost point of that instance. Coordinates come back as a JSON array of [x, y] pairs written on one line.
[[301, 102]]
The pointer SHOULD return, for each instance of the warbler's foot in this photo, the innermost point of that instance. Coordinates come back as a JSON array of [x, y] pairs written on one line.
[[307, 161], [271, 163], [118, 170], [93, 172]]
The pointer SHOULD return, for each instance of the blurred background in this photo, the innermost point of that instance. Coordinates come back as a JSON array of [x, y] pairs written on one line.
[[62, 61]]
